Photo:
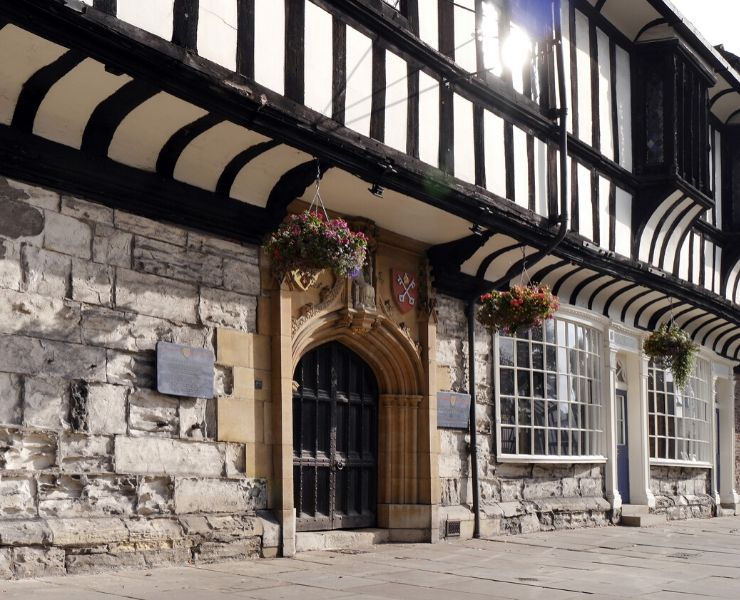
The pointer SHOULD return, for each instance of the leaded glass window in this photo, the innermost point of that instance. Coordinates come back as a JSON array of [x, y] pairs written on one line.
[[549, 394], [679, 420]]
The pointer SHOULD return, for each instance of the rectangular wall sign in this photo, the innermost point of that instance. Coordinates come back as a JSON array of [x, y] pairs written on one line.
[[184, 370], [453, 410]]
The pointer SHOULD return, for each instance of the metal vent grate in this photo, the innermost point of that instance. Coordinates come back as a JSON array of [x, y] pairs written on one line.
[[452, 528]]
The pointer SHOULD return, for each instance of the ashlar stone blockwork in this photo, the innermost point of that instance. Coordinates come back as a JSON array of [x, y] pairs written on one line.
[[97, 470]]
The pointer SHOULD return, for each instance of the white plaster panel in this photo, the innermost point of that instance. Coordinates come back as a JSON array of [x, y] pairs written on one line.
[[590, 288], [204, 159], [154, 17], [696, 258], [21, 55], [629, 15], [521, 166], [464, 147], [359, 82], [675, 239], [717, 269], [684, 259], [255, 181], [428, 23], [396, 101], [217, 25], [70, 102], [665, 228], [495, 154], [428, 119], [708, 265], [146, 129], [494, 244], [347, 194], [319, 62], [650, 227], [540, 177], [583, 61], [269, 44], [623, 223], [567, 67], [606, 126], [624, 108], [585, 203], [464, 19], [718, 178], [604, 186], [490, 39]]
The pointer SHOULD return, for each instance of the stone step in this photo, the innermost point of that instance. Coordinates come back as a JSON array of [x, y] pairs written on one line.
[[724, 511], [633, 510], [350, 539], [643, 520]]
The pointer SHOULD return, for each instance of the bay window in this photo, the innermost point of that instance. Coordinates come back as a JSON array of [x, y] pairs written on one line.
[[548, 392], [679, 420]]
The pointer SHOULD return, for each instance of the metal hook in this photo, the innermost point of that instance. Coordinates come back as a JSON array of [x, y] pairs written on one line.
[[317, 201]]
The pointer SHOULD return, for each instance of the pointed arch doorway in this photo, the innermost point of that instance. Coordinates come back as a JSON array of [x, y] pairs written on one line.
[[335, 431]]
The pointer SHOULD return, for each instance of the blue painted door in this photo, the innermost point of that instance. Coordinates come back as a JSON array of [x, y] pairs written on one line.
[[719, 469], [623, 454]]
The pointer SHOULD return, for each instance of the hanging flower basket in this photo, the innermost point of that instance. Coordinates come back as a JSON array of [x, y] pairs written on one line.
[[673, 347], [521, 307], [309, 242]]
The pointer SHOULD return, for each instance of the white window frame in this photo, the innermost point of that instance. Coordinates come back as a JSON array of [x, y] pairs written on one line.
[[578, 319], [707, 398]]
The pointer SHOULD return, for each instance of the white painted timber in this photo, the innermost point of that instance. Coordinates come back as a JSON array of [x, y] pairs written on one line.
[[495, 153], [65, 111], [318, 59], [21, 55], [464, 148], [396, 101], [269, 44], [217, 26], [154, 17], [359, 82], [429, 119]]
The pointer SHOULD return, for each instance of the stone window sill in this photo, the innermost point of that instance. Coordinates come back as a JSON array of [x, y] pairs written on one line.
[[695, 464], [551, 460]]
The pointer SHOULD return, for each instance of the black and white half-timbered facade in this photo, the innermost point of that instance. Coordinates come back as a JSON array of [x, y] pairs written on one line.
[[148, 148]]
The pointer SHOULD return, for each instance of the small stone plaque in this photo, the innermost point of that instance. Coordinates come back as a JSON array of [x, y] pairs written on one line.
[[453, 410], [184, 370]]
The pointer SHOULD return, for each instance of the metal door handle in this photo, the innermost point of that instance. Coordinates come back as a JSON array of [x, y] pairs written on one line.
[[339, 464]]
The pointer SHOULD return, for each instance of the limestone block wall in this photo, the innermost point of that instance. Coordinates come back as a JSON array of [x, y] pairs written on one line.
[[515, 498], [682, 493], [98, 470]]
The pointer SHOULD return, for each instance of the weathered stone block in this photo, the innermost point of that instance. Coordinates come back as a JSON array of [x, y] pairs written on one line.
[[87, 532], [214, 245], [21, 222], [67, 235], [112, 247], [46, 402], [10, 264], [92, 283], [11, 189], [591, 487], [242, 277], [106, 409], [152, 413], [228, 309], [175, 262], [69, 496], [133, 369], [209, 552], [220, 495], [11, 409], [26, 450], [79, 453], [234, 348], [146, 531], [17, 498], [46, 273], [38, 562], [235, 420], [156, 296], [541, 489], [27, 532], [224, 381], [197, 418], [86, 211], [103, 559], [155, 496], [236, 460], [153, 229], [6, 563], [39, 316], [20, 354], [153, 455]]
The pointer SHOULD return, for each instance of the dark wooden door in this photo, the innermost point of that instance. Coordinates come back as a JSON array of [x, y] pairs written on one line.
[[334, 440]]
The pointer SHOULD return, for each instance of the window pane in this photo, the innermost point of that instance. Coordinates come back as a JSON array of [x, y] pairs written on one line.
[[507, 410], [525, 412], [506, 352], [506, 381]]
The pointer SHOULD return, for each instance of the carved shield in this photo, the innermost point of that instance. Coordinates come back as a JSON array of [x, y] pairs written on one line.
[[405, 289]]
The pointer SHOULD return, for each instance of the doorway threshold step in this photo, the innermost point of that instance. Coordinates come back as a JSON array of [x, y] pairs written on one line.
[[643, 520], [348, 539]]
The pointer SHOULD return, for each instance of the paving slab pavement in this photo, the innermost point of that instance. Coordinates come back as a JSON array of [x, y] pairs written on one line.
[[677, 561]]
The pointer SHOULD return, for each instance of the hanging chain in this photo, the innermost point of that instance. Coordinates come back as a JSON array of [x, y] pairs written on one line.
[[524, 274], [317, 202], [670, 310]]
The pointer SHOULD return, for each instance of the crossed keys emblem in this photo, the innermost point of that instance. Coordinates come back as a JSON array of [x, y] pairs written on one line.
[[405, 291]]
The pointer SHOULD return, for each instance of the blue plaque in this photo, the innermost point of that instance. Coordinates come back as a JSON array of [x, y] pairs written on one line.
[[453, 410], [184, 370]]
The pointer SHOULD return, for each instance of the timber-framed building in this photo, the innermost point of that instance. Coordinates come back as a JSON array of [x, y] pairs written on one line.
[[147, 148]]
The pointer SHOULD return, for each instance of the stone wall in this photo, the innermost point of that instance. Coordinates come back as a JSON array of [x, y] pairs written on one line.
[[682, 493], [737, 431], [515, 498], [98, 470]]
